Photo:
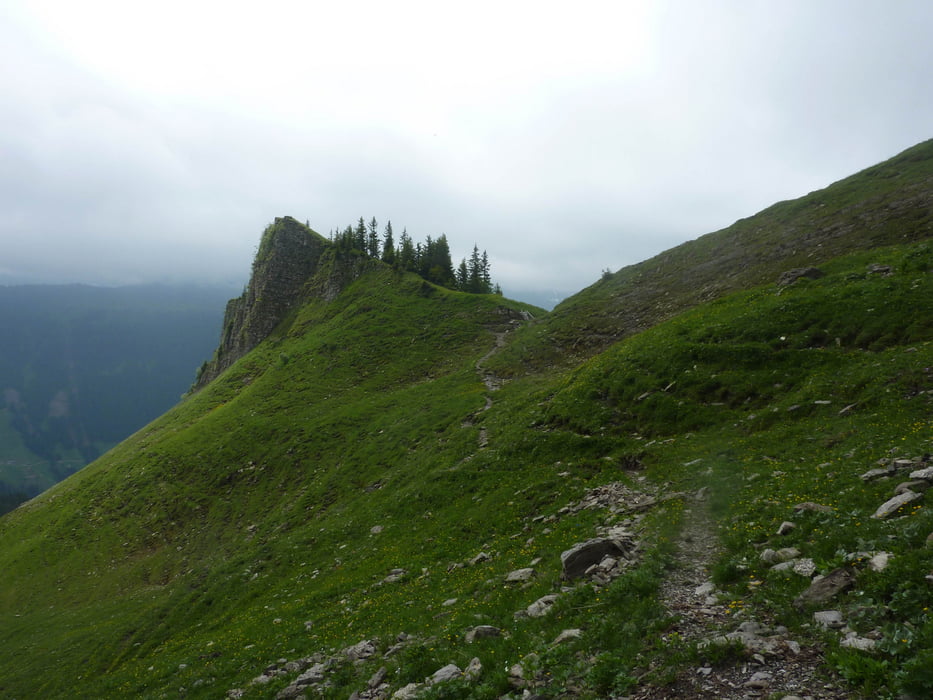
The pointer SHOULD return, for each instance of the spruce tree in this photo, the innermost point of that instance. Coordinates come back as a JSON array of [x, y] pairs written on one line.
[[406, 252], [372, 242], [388, 246], [359, 242]]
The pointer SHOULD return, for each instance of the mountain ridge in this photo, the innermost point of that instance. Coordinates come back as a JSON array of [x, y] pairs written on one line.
[[391, 481], [887, 203]]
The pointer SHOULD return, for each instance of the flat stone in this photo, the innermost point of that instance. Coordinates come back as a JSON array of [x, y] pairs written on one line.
[[925, 474], [482, 632], [759, 680], [447, 673], [916, 485], [812, 507], [408, 692], [861, 643], [520, 575], [825, 588], [567, 635], [784, 566], [831, 619], [873, 474], [770, 556], [892, 505]]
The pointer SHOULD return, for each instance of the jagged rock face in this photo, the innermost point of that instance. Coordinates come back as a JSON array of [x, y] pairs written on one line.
[[288, 257]]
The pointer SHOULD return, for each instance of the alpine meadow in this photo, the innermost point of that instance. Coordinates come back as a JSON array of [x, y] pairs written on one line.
[[705, 475]]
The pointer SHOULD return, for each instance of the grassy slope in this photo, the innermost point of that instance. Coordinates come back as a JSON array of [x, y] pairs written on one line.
[[888, 203], [326, 430], [195, 553], [204, 543]]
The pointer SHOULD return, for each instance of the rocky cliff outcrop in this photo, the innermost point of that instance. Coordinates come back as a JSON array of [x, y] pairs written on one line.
[[288, 258]]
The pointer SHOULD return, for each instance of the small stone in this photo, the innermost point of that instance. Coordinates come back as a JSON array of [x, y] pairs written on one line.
[[408, 692], [566, 636], [473, 670], [517, 676], [786, 554], [375, 529], [447, 603], [360, 650], [873, 474], [790, 276], [812, 507], [481, 557], [520, 575], [830, 619], [759, 680], [784, 566], [447, 673], [853, 641], [542, 606], [378, 678], [879, 562], [805, 567], [785, 527], [482, 632]]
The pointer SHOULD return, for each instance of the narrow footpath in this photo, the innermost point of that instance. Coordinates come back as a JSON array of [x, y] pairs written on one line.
[[772, 665]]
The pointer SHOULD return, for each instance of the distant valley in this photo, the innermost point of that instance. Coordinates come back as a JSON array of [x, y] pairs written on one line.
[[83, 367]]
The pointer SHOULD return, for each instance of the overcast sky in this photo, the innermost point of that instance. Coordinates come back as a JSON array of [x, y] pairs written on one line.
[[155, 141]]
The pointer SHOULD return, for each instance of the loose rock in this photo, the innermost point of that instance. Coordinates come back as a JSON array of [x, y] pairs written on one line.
[[520, 575], [447, 673], [825, 588], [581, 557], [891, 506], [482, 632]]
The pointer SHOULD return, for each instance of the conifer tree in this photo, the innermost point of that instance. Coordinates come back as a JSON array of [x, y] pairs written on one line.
[[388, 246], [372, 242], [406, 252], [360, 236]]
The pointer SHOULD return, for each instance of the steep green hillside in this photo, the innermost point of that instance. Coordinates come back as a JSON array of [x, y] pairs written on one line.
[[366, 490], [886, 204]]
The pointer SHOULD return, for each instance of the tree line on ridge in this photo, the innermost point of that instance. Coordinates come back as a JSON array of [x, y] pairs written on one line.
[[430, 259]]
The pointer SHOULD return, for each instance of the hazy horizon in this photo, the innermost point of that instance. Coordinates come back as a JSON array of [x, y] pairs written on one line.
[[154, 144]]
